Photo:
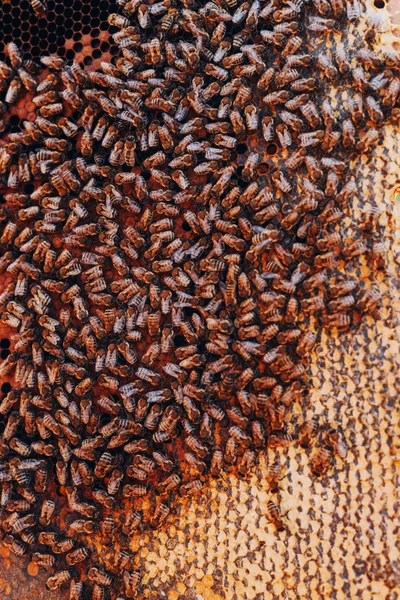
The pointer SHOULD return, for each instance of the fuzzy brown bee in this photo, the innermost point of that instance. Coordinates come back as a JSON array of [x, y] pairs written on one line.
[[335, 439], [44, 560], [77, 556], [75, 590], [57, 580], [47, 511], [275, 515], [307, 433], [274, 475], [321, 460]]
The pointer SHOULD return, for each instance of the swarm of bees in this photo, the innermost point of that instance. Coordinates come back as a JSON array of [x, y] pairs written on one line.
[[162, 282]]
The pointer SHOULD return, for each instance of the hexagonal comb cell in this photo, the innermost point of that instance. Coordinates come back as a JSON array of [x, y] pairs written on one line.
[[71, 29]]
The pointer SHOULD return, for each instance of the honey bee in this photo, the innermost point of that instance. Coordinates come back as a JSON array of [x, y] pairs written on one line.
[[169, 483], [246, 462], [307, 433], [368, 140], [104, 465], [62, 546], [77, 556], [161, 513], [339, 320], [371, 218], [321, 25], [374, 110], [275, 98], [369, 299], [57, 580], [347, 191], [380, 255], [18, 548], [250, 166], [275, 516], [274, 475], [47, 512], [335, 439], [268, 128], [356, 108], [355, 249], [131, 582], [75, 590], [28, 81], [83, 525], [348, 134], [311, 139], [14, 55], [321, 460], [98, 592], [23, 523], [43, 560], [391, 92]]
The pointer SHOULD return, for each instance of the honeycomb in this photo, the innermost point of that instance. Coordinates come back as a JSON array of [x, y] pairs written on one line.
[[71, 29], [88, 54]]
